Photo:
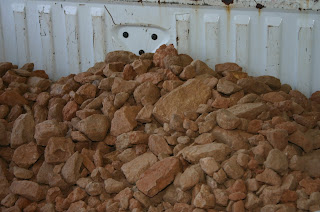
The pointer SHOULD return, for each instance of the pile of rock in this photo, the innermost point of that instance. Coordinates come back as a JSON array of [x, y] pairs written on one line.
[[159, 132]]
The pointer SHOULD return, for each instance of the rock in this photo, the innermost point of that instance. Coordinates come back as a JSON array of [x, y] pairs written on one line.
[[9, 200], [251, 85], [221, 196], [227, 120], [4, 184], [22, 173], [113, 186], [204, 198], [188, 72], [45, 173], [38, 84], [141, 66], [87, 91], [227, 87], [113, 68], [71, 169], [4, 67], [162, 52], [12, 98], [128, 72], [232, 169], [252, 201], [95, 127], [69, 110], [153, 77], [120, 99], [248, 110], [158, 176], [277, 161], [271, 195], [28, 189], [133, 169], [58, 150], [278, 138], [146, 94], [48, 129], [310, 185], [273, 82], [124, 120], [26, 155], [22, 131], [202, 68], [205, 138], [289, 196], [273, 97], [236, 139], [145, 114], [121, 56], [121, 85], [174, 194], [227, 67], [268, 176], [157, 145], [209, 165], [176, 102], [301, 140], [217, 151], [190, 177]]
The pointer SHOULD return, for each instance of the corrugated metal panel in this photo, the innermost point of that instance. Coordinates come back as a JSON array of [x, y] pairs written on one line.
[[66, 37]]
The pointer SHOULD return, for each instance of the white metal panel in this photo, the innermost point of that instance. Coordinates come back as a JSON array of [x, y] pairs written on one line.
[[69, 36]]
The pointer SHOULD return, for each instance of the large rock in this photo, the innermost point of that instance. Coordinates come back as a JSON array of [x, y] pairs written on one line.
[[227, 120], [277, 161], [133, 169], [12, 98], [95, 127], [300, 139], [124, 120], [236, 139], [28, 189], [216, 150], [190, 177], [128, 139], [26, 155], [146, 93], [120, 56], [47, 129], [71, 169], [23, 130], [227, 87], [248, 110], [58, 150], [4, 185], [158, 176], [157, 145], [270, 177], [186, 97]]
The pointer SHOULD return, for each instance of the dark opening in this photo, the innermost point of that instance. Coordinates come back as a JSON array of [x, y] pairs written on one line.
[[141, 52], [125, 34], [154, 36], [227, 2]]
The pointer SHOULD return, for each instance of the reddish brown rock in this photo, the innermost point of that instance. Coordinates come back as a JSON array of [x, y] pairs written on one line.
[[48, 129], [120, 56], [235, 139], [11, 76], [227, 67], [227, 120], [188, 72], [158, 176], [69, 110], [289, 196], [28, 189], [268, 176], [251, 85], [248, 110], [141, 66], [315, 97], [227, 87], [38, 84], [273, 97], [273, 82], [26, 155], [277, 161], [58, 150], [4, 67], [162, 52], [121, 85], [301, 140], [71, 169], [176, 102], [95, 127], [87, 91], [22, 131], [310, 185], [128, 72], [158, 145], [278, 138], [146, 94], [204, 198], [145, 114], [11, 98], [124, 120]]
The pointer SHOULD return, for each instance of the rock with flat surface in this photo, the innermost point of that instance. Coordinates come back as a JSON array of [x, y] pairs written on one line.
[[236, 139], [28, 189], [248, 110], [26, 155], [23, 130], [71, 169], [95, 127], [177, 102], [58, 150], [124, 120], [158, 176]]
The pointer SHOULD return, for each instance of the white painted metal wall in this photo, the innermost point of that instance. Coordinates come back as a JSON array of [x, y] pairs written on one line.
[[67, 36]]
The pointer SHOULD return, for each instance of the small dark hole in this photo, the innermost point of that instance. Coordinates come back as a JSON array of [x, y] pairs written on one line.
[[125, 34], [154, 36], [141, 52]]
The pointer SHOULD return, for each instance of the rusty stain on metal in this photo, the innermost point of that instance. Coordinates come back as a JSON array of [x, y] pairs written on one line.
[[260, 6]]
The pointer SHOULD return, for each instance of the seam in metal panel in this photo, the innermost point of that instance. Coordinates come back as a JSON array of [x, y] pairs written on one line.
[[46, 34], [21, 30], [183, 32], [2, 49], [273, 25], [98, 27], [212, 39], [304, 72], [242, 40], [72, 37]]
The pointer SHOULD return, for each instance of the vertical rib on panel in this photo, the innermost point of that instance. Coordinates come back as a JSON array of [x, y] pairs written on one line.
[[48, 52], [2, 53], [183, 31], [304, 72], [273, 46], [212, 39], [72, 35], [19, 13], [99, 44], [242, 40]]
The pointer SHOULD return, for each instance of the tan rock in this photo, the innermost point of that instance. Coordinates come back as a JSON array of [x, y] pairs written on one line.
[[4, 184], [277, 161], [58, 150], [176, 102], [204, 198], [301, 140], [227, 87], [71, 169], [158, 176], [190, 177], [23, 130], [120, 56], [216, 150], [95, 127], [146, 94], [22, 173], [87, 91], [48, 129], [270, 177], [69, 110], [121, 85], [162, 52], [157, 145], [252, 201], [188, 72], [248, 110], [128, 139], [271, 195], [232, 168], [145, 114], [273, 82], [133, 169], [11, 98], [221, 196], [113, 186], [278, 138], [227, 120], [251, 85], [44, 174], [124, 120], [28, 189], [205, 138], [209, 165], [236, 139], [26, 155]]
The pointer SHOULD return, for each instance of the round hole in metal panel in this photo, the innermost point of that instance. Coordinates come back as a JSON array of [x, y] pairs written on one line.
[[141, 52], [125, 34], [154, 36]]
